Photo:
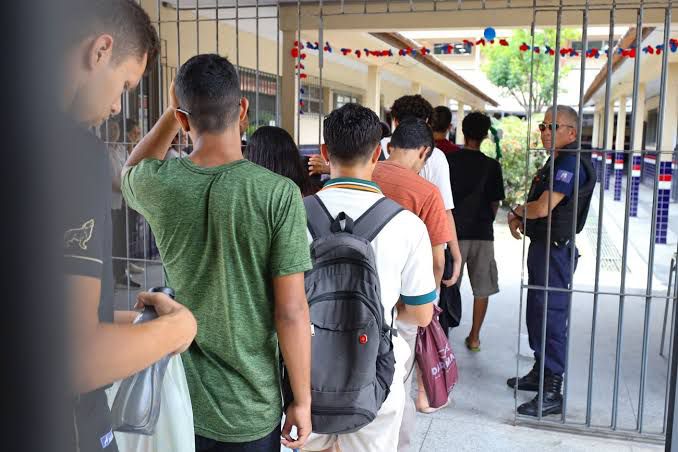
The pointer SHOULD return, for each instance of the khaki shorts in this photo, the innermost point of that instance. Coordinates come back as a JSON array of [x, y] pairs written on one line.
[[478, 256]]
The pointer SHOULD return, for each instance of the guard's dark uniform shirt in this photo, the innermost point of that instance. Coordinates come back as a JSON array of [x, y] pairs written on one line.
[[87, 252], [561, 254]]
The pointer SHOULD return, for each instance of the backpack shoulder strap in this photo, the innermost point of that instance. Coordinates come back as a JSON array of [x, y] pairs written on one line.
[[318, 219], [375, 218]]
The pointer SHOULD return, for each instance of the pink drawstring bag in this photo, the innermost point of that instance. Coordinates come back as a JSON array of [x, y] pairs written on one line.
[[436, 362]]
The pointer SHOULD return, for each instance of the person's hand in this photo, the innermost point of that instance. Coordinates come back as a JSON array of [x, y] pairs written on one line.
[[317, 165], [299, 416], [186, 325], [173, 102], [516, 227]]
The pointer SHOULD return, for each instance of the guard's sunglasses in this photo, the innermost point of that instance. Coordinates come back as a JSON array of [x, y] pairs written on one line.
[[544, 126]]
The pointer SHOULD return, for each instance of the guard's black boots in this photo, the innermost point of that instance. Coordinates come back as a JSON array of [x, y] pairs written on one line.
[[553, 400], [529, 382]]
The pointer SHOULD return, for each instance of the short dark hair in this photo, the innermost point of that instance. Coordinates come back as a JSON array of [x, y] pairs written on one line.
[[130, 123], [476, 125], [274, 149], [441, 119], [412, 133], [207, 86], [125, 20], [411, 106], [351, 133]]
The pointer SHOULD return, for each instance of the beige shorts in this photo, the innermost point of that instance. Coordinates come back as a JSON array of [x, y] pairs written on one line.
[[478, 257]]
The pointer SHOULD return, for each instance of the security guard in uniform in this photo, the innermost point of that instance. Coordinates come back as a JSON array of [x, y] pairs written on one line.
[[563, 131]]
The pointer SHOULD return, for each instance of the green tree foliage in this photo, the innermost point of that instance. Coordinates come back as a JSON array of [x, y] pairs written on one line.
[[509, 67]]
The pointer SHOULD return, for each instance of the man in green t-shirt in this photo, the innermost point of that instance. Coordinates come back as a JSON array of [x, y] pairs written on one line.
[[232, 237]]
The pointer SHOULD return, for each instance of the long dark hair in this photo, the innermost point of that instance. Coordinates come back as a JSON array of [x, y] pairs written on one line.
[[274, 149]]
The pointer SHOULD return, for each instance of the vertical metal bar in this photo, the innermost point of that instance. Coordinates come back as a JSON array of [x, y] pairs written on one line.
[[364, 6], [627, 204], [556, 74], [181, 132], [277, 64], [606, 147], [197, 26], [237, 35], [673, 277], [653, 226], [321, 58], [298, 87], [582, 80], [666, 308], [256, 89], [216, 13], [527, 176]]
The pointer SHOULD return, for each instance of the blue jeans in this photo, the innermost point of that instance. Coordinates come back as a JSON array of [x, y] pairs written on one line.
[[558, 302], [270, 443]]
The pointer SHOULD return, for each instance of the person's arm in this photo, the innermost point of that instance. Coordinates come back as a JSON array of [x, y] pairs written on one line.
[[438, 262], [157, 142], [419, 315], [455, 251], [292, 323], [495, 208], [540, 208], [104, 353]]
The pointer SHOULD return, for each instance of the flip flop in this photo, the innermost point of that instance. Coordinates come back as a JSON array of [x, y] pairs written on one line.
[[468, 345]]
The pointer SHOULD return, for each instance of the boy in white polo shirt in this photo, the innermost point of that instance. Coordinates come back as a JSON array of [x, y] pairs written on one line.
[[403, 258]]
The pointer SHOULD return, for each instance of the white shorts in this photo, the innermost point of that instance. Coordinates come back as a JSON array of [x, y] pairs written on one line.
[[380, 435]]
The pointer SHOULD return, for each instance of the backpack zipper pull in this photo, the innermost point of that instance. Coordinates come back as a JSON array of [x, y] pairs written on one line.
[[312, 330]]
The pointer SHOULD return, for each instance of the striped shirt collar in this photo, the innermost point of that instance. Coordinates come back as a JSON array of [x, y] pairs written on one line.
[[352, 184]]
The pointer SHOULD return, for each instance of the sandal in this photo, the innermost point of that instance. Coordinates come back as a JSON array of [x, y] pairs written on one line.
[[475, 349]]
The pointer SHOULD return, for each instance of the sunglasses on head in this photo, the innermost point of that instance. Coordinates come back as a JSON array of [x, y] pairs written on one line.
[[543, 126]]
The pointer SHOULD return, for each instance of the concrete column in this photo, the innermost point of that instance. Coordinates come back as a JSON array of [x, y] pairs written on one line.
[[443, 100], [460, 118], [328, 100], [636, 145], [619, 147], [665, 159], [289, 89], [596, 129], [373, 96], [416, 88]]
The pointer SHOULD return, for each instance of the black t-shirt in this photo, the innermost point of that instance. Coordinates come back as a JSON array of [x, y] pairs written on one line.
[[87, 252], [473, 213]]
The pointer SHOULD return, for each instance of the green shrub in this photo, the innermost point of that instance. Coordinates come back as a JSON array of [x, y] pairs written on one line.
[[514, 155]]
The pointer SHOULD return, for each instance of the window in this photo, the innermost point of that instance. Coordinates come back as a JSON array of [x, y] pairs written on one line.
[[312, 97], [457, 49], [598, 44], [341, 99]]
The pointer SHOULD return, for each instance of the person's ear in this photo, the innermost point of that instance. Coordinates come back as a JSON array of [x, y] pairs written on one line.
[[324, 153], [100, 51], [183, 120], [423, 152], [390, 148], [244, 106], [376, 154]]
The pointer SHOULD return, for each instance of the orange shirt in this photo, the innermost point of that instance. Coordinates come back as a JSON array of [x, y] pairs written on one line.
[[417, 195]]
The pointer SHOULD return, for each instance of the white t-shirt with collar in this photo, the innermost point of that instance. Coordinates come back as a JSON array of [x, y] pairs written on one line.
[[436, 170], [402, 251]]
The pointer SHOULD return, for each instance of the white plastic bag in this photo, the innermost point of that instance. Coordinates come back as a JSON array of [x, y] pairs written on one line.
[[174, 431]]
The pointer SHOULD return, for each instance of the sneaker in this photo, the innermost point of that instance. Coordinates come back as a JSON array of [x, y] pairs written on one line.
[[135, 269]]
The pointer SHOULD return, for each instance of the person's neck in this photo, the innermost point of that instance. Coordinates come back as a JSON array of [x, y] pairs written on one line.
[[440, 136], [215, 150], [402, 158], [363, 172], [471, 146]]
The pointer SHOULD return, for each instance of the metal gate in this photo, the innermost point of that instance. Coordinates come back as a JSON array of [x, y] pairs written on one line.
[[624, 339]]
